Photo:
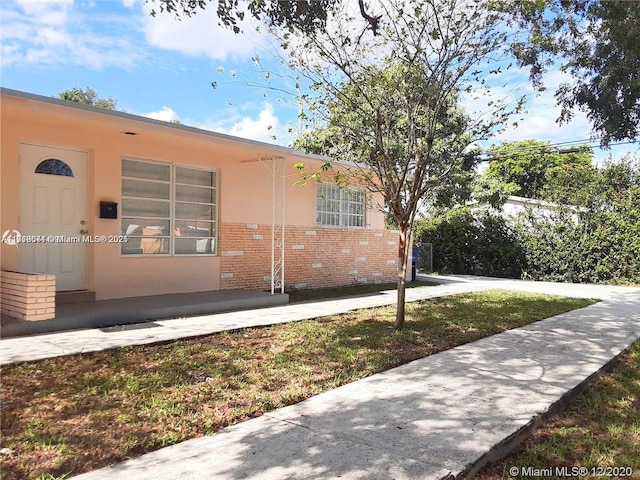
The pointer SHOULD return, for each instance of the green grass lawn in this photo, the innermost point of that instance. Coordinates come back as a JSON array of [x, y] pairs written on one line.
[[348, 290], [80, 412], [599, 429]]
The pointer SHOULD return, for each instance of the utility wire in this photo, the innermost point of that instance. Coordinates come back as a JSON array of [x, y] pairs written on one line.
[[551, 146]]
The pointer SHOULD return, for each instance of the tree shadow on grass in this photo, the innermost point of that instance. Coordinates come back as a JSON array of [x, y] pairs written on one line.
[[421, 420]]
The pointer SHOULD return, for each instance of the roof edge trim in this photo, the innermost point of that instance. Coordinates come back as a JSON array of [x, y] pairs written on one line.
[[152, 121]]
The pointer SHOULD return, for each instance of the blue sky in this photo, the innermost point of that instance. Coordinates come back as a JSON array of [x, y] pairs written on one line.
[[163, 68]]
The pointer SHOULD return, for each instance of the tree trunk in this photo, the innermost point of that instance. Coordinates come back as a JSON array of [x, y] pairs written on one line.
[[402, 275]]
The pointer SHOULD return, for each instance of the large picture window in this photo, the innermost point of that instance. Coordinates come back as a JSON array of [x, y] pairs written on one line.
[[168, 210], [339, 207]]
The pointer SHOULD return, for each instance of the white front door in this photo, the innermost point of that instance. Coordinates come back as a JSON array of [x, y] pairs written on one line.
[[53, 207]]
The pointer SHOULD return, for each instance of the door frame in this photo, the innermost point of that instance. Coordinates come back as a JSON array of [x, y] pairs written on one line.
[[54, 151]]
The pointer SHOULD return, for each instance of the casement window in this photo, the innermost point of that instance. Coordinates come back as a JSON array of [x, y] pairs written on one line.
[[339, 207], [168, 209]]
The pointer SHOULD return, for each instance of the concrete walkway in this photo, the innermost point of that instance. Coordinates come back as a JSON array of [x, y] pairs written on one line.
[[41, 346], [438, 416], [125, 311]]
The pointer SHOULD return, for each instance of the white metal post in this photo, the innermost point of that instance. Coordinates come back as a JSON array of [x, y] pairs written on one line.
[[276, 166], [284, 197], [273, 225]]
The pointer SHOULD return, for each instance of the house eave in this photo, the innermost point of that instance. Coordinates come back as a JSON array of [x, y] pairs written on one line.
[[272, 149]]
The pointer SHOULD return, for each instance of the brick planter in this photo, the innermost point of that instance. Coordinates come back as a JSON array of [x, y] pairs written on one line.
[[28, 296]]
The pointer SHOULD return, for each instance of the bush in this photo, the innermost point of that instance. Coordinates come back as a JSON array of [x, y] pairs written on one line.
[[464, 243], [595, 243], [599, 242], [595, 248]]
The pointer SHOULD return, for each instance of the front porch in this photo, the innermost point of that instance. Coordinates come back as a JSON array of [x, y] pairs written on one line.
[[117, 313]]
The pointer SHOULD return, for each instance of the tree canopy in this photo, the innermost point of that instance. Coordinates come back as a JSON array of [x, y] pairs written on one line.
[[389, 100], [596, 42], [524, 166], [305, 15], [385, 120], [88, 96]]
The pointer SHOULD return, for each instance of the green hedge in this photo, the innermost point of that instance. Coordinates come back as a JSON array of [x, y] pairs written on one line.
[[596, 241], [477, 245], [595, 247], [564, 246]]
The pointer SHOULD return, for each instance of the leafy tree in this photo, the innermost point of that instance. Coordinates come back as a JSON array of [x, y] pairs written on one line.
[[476, 243], [305, 15], [598, 242], [384, 88], [490, 191], [597, 43], [88, 96], [565, 184], [389, 101], [368, 125], [525, 164]]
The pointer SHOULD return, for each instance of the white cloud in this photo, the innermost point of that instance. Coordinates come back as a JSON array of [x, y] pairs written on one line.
[[199, 35], [52, 12], [541, 123], [262, 126], [57, 32], [539, 120], [129, 3], [166, 114], [258, 128]]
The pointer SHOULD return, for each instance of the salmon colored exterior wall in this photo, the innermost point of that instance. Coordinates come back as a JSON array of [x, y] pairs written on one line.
[[244, 198]]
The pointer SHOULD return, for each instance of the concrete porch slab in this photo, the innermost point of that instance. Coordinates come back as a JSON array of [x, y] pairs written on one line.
[[119, 313]]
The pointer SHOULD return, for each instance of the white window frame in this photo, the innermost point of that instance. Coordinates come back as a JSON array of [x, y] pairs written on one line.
[[336, 207], [172, 220]]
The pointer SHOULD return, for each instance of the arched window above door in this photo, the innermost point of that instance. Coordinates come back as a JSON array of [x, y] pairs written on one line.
[[53, 166]]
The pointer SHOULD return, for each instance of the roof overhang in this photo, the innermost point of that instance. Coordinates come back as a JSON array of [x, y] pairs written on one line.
[[172, 128]]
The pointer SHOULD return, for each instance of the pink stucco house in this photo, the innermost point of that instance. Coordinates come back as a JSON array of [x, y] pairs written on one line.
[[123, 206]]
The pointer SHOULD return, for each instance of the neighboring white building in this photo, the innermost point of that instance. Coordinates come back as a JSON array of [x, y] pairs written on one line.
[[516, 206]]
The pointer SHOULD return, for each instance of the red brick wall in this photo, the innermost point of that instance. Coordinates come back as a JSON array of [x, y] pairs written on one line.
[[314, 256]]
